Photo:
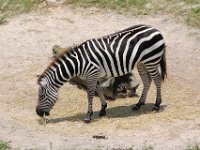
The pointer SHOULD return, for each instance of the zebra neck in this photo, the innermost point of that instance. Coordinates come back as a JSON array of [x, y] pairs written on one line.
[[64, 68], [76, 61]]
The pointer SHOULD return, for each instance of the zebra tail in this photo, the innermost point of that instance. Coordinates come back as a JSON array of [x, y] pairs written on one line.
[[163, 66]]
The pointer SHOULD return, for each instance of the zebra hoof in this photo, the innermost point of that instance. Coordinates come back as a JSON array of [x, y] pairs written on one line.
[[156, 108], [132, 95], [87, 120], [135, 108], [102, 113]]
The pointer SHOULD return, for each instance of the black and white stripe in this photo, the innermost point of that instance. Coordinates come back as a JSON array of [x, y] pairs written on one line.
[[109, 56]]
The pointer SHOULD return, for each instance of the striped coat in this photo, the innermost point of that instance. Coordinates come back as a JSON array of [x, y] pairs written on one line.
[[140, 46]]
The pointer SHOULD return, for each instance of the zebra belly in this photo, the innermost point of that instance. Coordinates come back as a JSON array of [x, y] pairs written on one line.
[[103, 74]]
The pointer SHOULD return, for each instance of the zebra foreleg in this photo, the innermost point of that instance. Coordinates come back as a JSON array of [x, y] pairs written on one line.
[[91, 88], [146, 79], [91, 92], [103, 101]]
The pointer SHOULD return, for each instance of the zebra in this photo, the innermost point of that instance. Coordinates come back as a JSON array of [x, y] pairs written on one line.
[[121, 86], [113, 55]]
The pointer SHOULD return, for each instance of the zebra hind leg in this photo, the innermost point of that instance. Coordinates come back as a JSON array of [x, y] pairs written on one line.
[[103, 101], [146, 79], [157, 80]]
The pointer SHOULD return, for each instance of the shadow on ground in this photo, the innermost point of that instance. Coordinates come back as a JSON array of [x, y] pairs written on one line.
[[114, 112]]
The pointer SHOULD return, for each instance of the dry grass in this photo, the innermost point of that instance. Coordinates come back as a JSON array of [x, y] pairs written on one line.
[[71, 108]]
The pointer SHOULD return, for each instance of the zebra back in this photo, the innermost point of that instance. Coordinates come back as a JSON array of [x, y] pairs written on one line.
[[114, 55]]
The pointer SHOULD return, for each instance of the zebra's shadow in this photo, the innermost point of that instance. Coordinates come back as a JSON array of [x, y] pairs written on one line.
[[114, 112]]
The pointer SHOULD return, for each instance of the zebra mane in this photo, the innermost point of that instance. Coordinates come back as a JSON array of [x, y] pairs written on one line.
[[67, 52]]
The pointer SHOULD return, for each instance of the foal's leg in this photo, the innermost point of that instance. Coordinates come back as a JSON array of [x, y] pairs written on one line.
[[103, 101], [146, 79]]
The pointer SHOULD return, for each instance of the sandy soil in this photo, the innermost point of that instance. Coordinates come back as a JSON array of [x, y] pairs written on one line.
[[25, 46]]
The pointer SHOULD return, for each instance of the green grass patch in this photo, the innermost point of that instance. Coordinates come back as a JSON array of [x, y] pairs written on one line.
[[181, 9], [134, 6], [4, 145], [12, 7], [3, 18], [191, 1], [196, 147], [187, 11], [193, 17], [184, 10], [18, 6]]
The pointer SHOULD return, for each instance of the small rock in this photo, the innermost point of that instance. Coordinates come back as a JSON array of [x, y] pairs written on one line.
[[99, 137]]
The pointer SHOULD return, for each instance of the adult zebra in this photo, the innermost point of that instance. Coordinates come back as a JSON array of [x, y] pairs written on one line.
[[121, 86], [109, 56]]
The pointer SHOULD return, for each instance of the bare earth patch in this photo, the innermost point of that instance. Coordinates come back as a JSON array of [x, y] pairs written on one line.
[[25, 46]]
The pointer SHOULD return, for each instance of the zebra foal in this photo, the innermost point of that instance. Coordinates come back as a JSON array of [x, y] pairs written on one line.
[[114, 55]]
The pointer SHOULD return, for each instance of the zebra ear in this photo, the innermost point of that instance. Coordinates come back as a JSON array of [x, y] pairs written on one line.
[[38, 76], [43, 83]]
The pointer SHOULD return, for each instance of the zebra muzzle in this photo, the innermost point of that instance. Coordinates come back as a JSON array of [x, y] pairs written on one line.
[[41, 113]]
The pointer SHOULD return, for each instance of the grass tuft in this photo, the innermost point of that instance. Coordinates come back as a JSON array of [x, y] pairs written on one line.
[[27, 5], [193, 17], [4, 145], [192, 1], [3, 18], [196, 147], [147, 146]]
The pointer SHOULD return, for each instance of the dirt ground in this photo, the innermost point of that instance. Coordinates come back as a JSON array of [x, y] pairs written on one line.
[[25, 51]]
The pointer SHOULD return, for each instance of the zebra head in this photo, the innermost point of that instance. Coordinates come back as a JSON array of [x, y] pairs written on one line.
[[47, 97]]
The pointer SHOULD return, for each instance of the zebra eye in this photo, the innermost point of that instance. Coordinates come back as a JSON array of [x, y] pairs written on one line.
[[129, 80], [41, 91]]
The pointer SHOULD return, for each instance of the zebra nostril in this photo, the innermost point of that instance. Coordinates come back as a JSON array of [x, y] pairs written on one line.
[[46, 113], [39, 112]]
